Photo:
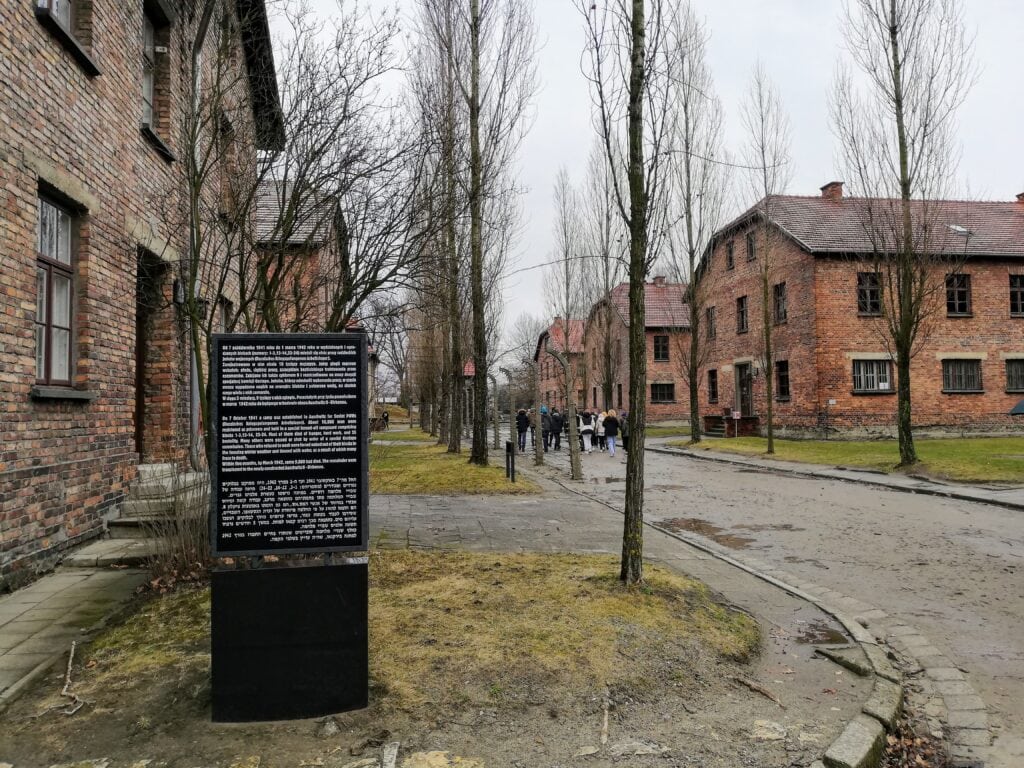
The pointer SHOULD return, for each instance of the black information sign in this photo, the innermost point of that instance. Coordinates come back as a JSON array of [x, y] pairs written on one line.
[[289, 420]]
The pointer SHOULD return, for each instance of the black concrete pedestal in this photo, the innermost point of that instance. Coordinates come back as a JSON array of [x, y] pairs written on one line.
[[289, 642]]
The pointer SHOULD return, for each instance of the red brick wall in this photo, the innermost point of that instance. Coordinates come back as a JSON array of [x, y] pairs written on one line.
[[793, 340], [990, 333], [65, 464]]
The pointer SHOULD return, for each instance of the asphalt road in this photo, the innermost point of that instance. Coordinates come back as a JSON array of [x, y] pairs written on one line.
[[952, 569]]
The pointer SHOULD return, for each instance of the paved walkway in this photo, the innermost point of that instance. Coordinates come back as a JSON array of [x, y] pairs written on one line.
[[983, 494], [39, 622]]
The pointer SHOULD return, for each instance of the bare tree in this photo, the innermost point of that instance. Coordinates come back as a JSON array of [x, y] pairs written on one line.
[[524, 334], [699, 184], [564, 295], [767, 160], [629, 68], [896, 136]]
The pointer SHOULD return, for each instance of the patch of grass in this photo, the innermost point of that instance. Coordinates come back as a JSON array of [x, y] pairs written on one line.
[[446, 625], [450, 628], [971, 460], [395, 412], [667, 431], [404, 435], [404, 469]]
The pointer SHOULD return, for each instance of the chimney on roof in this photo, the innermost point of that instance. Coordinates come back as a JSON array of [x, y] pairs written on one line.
[[833, 191], [659, 280], [1020, 198]]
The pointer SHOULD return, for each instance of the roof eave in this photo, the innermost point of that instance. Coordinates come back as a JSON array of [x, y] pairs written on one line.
[[259, 60]]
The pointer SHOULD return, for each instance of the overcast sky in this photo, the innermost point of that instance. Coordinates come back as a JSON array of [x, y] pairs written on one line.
[[799, 42]]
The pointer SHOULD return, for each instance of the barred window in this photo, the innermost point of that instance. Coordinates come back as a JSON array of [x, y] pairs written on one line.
[[1017, 295], [958, 294], [872, 376], [713, 386], [751, 246], [869, 293], [709, 321], [663, 393], [730, 255], [782, 379], [1015, 375], [961, 376]]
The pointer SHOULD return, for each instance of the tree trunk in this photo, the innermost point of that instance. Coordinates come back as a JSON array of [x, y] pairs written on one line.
[[904, 424], [769, 356], [631, 570], [693, 360], [478, 454], [538, 438]]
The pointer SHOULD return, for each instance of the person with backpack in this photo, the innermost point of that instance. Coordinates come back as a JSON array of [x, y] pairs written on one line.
[[545, 427], [587, 430], [611, 431], [599, 429], [522, 424], [557, 422]]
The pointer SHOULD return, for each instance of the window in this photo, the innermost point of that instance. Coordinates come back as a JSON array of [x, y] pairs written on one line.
[[730, 255], [618, 396], [961, 376], [70, 22], [663, 393], [872, 376], [661, 349], [225, 311], [751, 246], [741, 315], [155, 120], [54, 294], [581, 398], [148, 70], [782, 379], [1015, 375], [709, 319], [958, 294], [869, 293], [712, 386], [779, 302], [1017, 295], [595, 397]]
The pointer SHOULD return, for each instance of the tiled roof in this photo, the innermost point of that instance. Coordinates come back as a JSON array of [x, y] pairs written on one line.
[[577, 330], [283, 218], [822, 225], [664, 304]]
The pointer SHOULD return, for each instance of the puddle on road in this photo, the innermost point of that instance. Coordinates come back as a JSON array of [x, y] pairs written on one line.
[[606, 480], [820, 633], [768, 527], [808, 560], [704, 528]]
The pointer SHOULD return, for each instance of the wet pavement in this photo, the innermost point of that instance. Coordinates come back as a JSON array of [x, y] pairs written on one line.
[[953, 569]]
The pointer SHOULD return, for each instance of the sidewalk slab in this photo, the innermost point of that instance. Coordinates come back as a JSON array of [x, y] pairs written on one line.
[[39, 622]]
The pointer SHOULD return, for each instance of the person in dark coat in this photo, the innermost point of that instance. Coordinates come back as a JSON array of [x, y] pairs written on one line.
[[611, 431], [522, 424], [556, 428], [624, 424], [545, 427]]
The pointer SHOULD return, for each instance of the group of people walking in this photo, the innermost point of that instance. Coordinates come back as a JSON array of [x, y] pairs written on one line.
[[601, 429]]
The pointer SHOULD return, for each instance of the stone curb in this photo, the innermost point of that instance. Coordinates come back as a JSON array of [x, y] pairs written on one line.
[[818, 475], [861, 744]]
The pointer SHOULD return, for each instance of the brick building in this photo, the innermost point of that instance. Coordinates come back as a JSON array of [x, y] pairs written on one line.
[[550, 373], [93, 357], [666, 316], [832, 364]]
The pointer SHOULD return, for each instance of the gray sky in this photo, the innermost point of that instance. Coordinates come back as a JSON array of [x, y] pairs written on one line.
[[800, 44]]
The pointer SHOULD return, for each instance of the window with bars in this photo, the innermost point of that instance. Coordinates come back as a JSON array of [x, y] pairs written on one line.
[[54, 294], [961, 376], [618, 396], [872, 376], [1015, 375], [661, 349], [751, 246], [663, 393], [958, 294], [148, 71], [869, 293], [730, 255], [709, 322], [713, 386], [741, 315], [779, 302], [782, 379], [1017, 295], [70, 22]]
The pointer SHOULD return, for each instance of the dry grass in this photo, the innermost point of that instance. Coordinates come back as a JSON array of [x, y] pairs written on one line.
[[461, 626], [430, 469], [402, 434], [395, 412], [452, 628], [971, 460]]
